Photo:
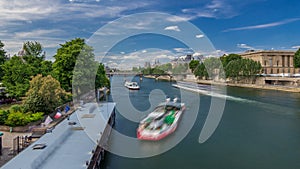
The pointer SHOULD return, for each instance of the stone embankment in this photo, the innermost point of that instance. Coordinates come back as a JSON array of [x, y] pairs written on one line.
[[255, 86]]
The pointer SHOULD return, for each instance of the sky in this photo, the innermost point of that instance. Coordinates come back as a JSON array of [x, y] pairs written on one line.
[[145, 30]]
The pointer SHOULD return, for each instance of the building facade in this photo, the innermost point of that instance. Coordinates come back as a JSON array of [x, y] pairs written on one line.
[[273, 62]]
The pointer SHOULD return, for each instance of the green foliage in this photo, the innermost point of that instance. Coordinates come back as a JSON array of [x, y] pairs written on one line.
[[22, 119], [46, 68], [135, 69], [180, 69], [35, 116], [65, 60], [242, 68], [44, 95], [156, 70], [3, 58], [18, 70], [16, 76], [228, 58], [3, 116], [16, 108], [17, 119], [34, 49], [101, 78], [200, 71], [147, 71], [193, 65], [165, 67], [214, 67], [297, 59]]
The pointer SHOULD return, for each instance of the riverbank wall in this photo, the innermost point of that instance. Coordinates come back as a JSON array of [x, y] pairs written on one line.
[[294, 89], [260, 83]]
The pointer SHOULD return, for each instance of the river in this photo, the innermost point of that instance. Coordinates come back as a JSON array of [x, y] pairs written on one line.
[[259, 129]]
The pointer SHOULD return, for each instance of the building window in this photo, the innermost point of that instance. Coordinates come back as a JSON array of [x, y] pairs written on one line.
[[271, 71], [271, 62], [265, 63], [277, 70], [288, 61], [277, 63], [283, 64]]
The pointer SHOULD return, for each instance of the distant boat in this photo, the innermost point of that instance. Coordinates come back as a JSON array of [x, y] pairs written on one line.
[[132, 85], [161, 122]]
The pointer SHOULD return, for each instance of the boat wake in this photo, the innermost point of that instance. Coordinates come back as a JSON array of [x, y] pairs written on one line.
[[209, 91], [216, 92]]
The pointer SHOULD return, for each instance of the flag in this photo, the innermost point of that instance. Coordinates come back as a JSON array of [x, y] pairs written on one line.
[[67, 108], [57, 115], [47, 121]]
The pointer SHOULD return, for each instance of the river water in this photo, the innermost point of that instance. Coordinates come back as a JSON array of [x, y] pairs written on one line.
[[259, 129]]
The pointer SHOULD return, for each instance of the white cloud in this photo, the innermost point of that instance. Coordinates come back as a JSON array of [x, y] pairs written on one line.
[[172, 28], [138, 58], [178, 18], [296, 47], [244, 46], [262, 26], [39, 33], [18, 11], [199, 36], [197, 54], [213, 9], [183, 50]]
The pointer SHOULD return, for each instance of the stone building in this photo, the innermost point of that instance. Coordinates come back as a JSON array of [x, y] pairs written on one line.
[[273, 62]]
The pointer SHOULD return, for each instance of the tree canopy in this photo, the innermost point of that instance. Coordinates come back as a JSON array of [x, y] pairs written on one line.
[[16, 76], [242, 68], [228, 58], [18, 70], [297, 59], [193, 65], [65, 60], [3, 58], [44, 94]]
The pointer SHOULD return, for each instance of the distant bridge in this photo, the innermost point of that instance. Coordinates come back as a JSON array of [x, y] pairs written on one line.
[[156, 76]]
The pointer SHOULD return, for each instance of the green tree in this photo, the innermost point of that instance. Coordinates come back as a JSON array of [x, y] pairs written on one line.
[[214, 67], [88, 74], [101, 78], [165, 67], [46, 68], [180, 69], [147, 71], [35, 49], [228, 58], [3, 58], [18, 70], [33, 54], [65, 60], [200, 71], [193, 65], [157, 70], [241, 68], [44, 94], [297, 59], [16, 76]]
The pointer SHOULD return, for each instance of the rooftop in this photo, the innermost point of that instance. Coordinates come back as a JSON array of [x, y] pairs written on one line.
[[70, 143]]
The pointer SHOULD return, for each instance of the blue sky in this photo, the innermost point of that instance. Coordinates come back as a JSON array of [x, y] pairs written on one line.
[[230, 25]]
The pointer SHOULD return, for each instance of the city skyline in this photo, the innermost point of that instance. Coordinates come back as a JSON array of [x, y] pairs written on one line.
[[231, 26]]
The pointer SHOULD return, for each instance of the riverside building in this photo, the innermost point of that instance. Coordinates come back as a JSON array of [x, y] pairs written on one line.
[[274, 62]]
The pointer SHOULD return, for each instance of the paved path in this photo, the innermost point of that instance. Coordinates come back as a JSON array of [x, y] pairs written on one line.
[[7, 145]]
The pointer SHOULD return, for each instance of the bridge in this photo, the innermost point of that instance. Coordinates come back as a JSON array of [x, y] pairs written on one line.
[[156, 76]]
